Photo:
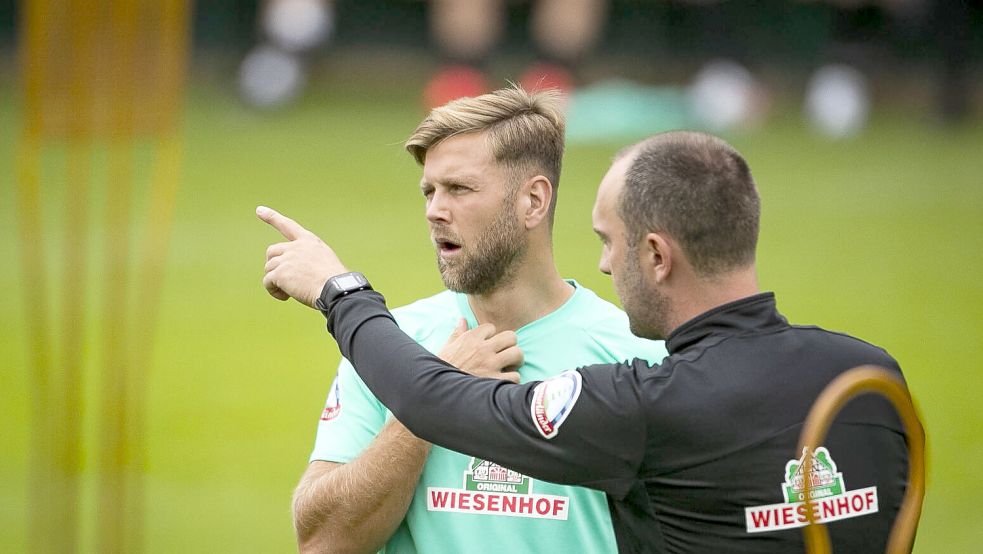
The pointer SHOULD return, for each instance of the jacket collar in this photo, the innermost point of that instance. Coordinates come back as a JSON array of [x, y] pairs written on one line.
[[757, 312]]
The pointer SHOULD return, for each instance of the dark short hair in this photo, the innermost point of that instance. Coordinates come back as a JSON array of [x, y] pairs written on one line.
[[699, 190]]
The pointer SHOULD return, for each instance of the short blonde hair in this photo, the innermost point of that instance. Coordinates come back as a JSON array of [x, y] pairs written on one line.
[[525, 130]]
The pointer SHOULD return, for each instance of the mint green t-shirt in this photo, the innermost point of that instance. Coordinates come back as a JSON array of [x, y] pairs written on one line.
[[464, 504]]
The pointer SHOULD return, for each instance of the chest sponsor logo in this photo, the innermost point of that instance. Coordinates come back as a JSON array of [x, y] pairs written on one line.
[[828, 498], [552, 401], [332, 408], [489, 476], [492, 489]]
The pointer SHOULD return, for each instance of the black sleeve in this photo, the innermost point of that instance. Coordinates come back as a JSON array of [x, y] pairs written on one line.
[[601, 442]]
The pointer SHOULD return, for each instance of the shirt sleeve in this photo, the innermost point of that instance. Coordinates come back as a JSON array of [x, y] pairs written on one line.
[[584, 427], [351, 419]]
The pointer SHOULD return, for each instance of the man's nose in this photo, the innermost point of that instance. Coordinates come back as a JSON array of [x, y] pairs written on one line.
[[437, 209], [604, 265]]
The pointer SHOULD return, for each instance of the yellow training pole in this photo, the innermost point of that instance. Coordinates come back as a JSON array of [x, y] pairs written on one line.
[[33, 60], [860, 380], [173, 23], [75, 272], [115, 373], [84, 65]]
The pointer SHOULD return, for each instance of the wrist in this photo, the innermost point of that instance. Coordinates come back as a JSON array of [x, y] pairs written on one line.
[[339, 286]]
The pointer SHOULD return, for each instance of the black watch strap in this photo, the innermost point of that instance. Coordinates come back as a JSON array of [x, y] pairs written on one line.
[[341, 285]]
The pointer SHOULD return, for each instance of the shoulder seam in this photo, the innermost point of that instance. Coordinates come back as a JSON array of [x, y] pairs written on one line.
[[841, 334]]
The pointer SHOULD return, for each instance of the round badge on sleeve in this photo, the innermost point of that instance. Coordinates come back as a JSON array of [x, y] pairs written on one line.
[[552, 401], [332, 408]]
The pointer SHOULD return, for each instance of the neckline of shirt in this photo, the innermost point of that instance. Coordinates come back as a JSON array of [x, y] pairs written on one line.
[[578, 291], [730, 318]]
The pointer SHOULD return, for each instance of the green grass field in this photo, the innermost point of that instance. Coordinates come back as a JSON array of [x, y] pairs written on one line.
[[880, 236]]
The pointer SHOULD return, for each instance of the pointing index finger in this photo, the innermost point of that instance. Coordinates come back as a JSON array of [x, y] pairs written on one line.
[[290, 229]]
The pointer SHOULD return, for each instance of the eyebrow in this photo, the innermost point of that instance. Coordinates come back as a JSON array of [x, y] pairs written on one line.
[[450, 181]]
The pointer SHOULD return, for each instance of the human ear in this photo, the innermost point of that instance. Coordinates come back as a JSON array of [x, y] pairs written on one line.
[[537, 196], [658, 256]]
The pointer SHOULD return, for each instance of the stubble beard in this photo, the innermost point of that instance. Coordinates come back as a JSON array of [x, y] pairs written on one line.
[[492, 261], [648, 309]]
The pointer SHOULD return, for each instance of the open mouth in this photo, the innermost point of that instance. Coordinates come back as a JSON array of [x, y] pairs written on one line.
[[448, 247]]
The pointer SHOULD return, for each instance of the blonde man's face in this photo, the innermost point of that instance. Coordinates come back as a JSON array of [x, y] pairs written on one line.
[[471, 211]]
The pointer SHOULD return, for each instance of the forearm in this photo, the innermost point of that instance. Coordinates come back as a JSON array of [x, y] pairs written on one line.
[[419, 388], [356, 507]]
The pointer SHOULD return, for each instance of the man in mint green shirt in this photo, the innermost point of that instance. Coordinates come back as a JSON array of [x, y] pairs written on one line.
[[491, 168]]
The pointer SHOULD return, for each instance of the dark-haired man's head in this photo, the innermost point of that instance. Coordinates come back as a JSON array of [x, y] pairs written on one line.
[[675, 212]]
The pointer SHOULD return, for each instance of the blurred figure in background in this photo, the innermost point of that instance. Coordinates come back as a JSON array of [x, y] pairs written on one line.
[[725, 94], [838, 94], [275, 70], [466, 32], [952, 31]]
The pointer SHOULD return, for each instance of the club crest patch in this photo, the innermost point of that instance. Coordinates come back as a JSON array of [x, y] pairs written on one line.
[[332, 407], [828, 498], [552, 401]]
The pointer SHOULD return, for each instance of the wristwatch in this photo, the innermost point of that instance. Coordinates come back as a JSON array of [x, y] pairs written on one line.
[[341, 285]]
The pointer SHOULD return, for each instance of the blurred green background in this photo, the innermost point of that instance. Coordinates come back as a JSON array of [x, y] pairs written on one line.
[[879, 235]]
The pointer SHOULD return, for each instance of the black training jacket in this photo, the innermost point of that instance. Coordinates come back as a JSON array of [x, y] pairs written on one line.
[[696, 454]]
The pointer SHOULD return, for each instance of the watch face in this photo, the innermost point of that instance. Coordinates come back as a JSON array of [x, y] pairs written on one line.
[[348, 282], [338, 286]]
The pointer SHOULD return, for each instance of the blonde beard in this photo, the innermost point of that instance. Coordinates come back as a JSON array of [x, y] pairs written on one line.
[[491, 263]]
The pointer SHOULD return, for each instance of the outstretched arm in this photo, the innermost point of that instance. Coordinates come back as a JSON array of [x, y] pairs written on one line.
[[583, 427], [602, 439]]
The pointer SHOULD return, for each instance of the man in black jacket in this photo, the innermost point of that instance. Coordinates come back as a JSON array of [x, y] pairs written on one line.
[[696, 454]]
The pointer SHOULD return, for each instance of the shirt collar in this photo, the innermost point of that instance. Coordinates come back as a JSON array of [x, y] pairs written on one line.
[[752, 312]]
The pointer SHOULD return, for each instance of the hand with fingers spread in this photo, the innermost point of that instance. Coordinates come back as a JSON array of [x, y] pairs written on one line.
[[482, 352], [300, 266]]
